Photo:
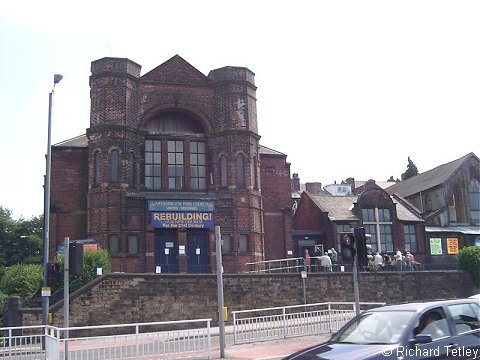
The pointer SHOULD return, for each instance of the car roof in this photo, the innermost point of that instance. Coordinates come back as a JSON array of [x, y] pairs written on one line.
[[420, 306]]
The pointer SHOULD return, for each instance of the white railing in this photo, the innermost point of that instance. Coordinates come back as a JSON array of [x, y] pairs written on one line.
[[157, 340], [275, 266], [291, 321], [21, 342]]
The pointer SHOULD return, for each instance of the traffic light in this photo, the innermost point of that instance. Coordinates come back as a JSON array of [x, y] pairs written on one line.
[[76, 258], [347, 247], [361, 246], [53, 267]]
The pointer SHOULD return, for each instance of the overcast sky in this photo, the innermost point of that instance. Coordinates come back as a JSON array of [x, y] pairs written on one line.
[[345, 88]]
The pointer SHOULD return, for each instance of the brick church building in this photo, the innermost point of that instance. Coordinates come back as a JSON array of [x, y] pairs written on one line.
[[168, 156]]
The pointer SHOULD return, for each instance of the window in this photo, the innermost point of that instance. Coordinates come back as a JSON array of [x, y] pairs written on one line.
[[243, 244], [368, 215], [386, 238], [198, 177], [226, 244], [114, 166], [383, 215], [410, 238], [474, 200], [96, 168], [466, 316], [372, 230], [240, 170], [132, 245], [175, 165], [113, 244], [132, 178], [223, 171], [378, 224], [153, 164], [255, 173]]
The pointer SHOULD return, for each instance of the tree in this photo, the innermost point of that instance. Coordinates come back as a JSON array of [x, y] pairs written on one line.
[[469, 259], [20, 240], [24, 280], [411, 170]]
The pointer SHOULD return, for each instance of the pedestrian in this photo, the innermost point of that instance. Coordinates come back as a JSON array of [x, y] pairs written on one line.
[[307, 260], [409, 259], [398, 260], [334, 258], [378, 259], [325, 262]]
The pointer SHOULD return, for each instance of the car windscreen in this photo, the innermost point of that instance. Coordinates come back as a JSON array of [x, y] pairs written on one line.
[[382, 327]]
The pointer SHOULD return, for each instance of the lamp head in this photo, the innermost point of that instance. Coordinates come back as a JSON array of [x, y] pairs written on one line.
[[57, 78]]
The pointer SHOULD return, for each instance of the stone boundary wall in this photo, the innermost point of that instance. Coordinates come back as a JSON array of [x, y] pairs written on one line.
[[131, 298]]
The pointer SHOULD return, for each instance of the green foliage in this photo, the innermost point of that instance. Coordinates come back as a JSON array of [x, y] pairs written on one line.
[[93, 259], [20, 240], [411, 170], [24, 280], [469, 259]]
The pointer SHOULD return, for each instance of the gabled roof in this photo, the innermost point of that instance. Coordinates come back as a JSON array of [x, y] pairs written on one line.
[[428, 179], [263, 150], [177, 71], [339, 208], [78, 141]]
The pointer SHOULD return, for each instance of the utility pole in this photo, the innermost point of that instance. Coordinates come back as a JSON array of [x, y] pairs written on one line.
[[221, 324]]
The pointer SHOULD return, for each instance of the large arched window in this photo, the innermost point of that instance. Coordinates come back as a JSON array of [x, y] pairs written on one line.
[[474, 200], [175, 153], [114, 166], [240, 170]]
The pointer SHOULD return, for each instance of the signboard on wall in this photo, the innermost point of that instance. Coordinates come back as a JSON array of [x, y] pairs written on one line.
[[188, 214], [436, 246], [452, 246], [181, 206], [188, 220]]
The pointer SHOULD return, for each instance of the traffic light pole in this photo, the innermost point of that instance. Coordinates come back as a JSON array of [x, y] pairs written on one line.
[[356, 292]]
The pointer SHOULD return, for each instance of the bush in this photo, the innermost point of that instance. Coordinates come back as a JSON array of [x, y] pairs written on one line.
[[24, 280], [469, 259]]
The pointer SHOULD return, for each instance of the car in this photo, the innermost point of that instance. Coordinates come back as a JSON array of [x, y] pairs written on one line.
[[476, 296], [447, 329]]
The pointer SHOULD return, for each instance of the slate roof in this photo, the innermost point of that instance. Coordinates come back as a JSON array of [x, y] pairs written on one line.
[[340, 208], [428, 179], [78, 141]]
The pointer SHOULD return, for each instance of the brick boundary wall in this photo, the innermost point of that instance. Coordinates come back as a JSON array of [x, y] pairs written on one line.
[[130, 298]]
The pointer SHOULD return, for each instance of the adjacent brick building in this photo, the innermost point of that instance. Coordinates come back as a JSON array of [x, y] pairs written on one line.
[[168, 156]]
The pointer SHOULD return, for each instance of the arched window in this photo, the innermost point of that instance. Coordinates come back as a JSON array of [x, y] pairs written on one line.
[[96, 168], [223, 171], [240, 170], [255, 173], [114, 166], [474, 200]]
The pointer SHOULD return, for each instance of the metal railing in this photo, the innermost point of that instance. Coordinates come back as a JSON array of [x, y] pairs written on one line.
[[291, 321], [278, 265], [21, 342], [186, 339]]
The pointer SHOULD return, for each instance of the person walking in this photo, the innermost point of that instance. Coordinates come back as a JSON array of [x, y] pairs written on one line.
[[325, 262]]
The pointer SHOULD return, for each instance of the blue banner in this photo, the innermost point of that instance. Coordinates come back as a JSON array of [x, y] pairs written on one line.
[[188, 220], [181, 206]]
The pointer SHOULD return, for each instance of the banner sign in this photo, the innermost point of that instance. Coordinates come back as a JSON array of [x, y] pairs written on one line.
[[452, 246], [436, 246], [181, 206], [191, 220]]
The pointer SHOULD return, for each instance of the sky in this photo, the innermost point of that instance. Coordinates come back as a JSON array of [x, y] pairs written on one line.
[[344, 88]]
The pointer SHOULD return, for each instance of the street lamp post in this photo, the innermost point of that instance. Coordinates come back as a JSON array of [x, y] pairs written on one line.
[[46, 203]]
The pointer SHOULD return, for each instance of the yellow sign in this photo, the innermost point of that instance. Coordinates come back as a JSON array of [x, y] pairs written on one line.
[[46, 291], [452, 246]]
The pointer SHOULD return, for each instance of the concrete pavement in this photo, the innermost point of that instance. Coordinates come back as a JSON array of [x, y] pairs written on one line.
[[267, 350]]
